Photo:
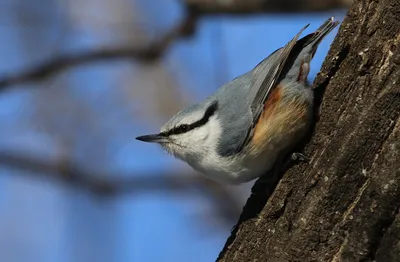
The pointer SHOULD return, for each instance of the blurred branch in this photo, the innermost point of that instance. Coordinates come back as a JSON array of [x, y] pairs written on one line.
[[62, 62], [107, 185], [195, 8], [99, 183], [241, 7]]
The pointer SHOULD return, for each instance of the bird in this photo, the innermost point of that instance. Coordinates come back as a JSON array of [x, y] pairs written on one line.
[[239, 132]]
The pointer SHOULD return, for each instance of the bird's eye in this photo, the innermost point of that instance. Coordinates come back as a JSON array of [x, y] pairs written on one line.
[[181, 129], [184, 127]]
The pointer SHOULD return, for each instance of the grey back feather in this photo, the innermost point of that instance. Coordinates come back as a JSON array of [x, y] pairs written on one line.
[[234, 113]]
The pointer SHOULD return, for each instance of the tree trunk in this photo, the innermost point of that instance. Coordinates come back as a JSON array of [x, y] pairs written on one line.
[[344, 204]]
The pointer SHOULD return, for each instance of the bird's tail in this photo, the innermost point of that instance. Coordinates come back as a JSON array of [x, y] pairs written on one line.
[[315, 38], [298, 64]]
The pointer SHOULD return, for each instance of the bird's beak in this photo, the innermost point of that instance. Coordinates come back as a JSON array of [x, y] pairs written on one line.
[[154, 138]]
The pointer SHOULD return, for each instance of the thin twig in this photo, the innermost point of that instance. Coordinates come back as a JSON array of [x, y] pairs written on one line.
[[240, 7], [227, 206], [61, 62], [195, 9], [97, 183]]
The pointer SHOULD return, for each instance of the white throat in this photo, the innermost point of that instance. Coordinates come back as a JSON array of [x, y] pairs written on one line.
[[196, 145]]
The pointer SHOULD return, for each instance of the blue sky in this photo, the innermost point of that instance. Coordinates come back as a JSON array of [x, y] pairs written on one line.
[[52, 222]]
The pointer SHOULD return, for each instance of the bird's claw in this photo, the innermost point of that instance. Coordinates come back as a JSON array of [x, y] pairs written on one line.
[[300, 157]]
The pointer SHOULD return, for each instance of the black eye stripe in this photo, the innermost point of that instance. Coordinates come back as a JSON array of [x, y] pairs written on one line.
[[188, 127], [181, 129]]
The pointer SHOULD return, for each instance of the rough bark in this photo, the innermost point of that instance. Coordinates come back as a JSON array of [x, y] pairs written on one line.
[[344, 204]]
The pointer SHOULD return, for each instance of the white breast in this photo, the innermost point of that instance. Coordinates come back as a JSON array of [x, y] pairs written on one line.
[[199, 149], [235, 170], [232, 170]]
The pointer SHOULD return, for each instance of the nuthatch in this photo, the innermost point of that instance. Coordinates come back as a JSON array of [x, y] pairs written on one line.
[[238, 133]]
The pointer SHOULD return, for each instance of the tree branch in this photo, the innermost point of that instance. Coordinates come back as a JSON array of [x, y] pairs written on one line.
[[240, 7], [64, 61], [226, 205], [98, 183], [195, 9]]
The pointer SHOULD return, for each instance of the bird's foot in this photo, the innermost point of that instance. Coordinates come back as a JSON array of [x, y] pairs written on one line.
[[300, 157]]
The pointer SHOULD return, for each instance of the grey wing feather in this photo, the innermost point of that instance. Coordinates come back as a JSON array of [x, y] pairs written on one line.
[[262, 86], [254, 87]]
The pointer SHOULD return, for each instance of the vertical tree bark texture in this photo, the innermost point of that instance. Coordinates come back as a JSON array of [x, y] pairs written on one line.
[[344, 204]]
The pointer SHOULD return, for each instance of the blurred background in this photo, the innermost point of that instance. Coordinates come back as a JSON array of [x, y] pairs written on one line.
[[80, 79]]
